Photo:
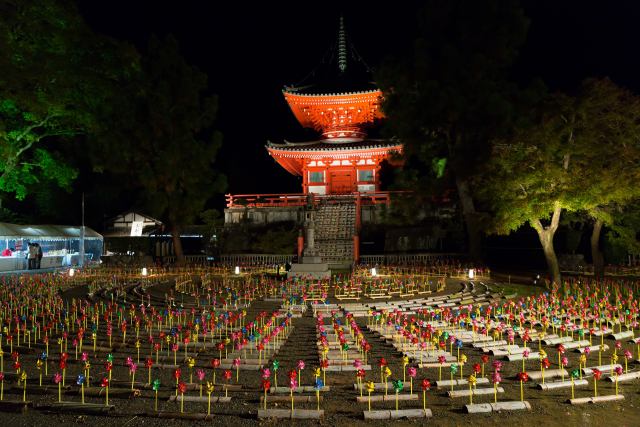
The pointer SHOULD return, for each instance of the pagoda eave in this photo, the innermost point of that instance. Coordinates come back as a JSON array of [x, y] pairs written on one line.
[[326, 112], [295, 156], [292, 165]]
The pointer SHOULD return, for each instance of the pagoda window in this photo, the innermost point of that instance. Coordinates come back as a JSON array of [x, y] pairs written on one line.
[[365, 175], [316, 176]]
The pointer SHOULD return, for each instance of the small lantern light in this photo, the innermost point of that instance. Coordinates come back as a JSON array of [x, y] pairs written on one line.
[[472, 273], [374, 272], [72, 272], [144, 271], [237, 270]]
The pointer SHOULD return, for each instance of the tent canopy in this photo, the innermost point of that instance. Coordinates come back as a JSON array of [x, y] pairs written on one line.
[[15, 231]]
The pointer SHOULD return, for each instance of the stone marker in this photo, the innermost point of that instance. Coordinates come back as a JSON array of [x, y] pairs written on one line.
[[402, 413], [548, 373], [285, 413], [601, 368], [625, 377], [607, 398], [476, 392], [391, 397], [214, 399], [562, 384]]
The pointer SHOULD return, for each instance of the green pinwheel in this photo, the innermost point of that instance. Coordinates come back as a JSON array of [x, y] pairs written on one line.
[[575, 374], [155, 385], [453, 369], [397, 386], [275, 365], [110, 357]]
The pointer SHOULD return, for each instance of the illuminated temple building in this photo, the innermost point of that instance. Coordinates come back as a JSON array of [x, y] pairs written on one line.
[[340, 169]]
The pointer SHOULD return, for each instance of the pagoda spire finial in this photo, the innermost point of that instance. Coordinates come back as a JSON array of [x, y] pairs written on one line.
[[342, 47]]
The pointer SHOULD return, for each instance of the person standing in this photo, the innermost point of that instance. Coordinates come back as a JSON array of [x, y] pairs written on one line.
[[31, 256], [39, 255]]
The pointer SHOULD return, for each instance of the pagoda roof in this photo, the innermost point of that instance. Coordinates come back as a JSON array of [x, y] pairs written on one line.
[[292, 155], [367, 144], [342, 71]]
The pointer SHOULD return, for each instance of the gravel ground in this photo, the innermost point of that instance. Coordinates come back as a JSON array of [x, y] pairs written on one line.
[[549, 408]]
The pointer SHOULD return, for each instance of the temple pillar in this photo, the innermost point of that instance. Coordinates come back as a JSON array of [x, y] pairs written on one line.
[[356, 248], [300, 245]]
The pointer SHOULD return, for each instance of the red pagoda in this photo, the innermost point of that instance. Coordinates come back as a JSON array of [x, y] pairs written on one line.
[[340, 101]]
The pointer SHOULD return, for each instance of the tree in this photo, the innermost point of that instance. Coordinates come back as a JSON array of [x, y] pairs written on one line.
[[450, 96], [57, 80], [571, 159], [162, 143]]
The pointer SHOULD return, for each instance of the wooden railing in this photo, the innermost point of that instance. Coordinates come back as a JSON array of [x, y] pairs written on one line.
[[410, 259], [298, 199]]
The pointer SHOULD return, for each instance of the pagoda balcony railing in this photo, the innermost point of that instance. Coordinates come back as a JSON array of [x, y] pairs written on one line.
[[311, 199]]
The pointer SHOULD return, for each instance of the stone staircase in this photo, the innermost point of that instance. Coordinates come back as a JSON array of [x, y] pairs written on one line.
[[335, 225]]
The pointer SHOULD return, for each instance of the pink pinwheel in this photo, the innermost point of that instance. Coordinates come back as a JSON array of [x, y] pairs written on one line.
[[300, 365], [85, 356], [587, 350], [496, 378], [497, 365], [357, 363], [128, 361], [200, 374], [412, 371], [627, 356], [57, 378], [266, 373]]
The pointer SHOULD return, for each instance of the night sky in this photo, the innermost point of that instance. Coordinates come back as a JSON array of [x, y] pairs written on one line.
[[250, 51]]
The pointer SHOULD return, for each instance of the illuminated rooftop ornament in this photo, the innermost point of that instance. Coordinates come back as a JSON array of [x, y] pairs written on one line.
[[342, 47], [72, 272], [374, 272], [144, 271], [237, 270], [472, 273]]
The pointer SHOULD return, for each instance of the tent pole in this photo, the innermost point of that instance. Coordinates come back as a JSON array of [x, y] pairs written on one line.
[[81, 260]]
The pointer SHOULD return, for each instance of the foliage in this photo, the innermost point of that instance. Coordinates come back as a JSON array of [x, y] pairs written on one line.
[[162, 142], [449, 96], [57, 81], [580, 154]]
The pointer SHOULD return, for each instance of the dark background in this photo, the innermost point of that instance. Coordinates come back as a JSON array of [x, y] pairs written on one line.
[[249, 51]]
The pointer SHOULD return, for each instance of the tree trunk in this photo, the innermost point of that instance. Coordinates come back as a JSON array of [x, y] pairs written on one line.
[[546, 235], [177, 244], [596, 254], [470, 219], [546, 239]]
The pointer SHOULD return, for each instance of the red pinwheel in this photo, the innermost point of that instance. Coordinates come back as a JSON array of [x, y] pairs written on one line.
[[597, 373]]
